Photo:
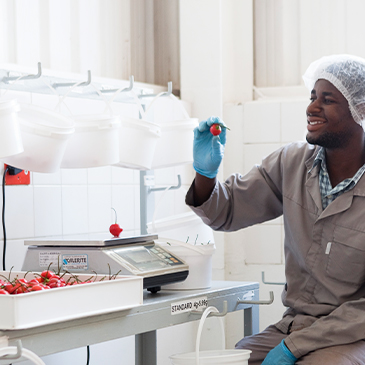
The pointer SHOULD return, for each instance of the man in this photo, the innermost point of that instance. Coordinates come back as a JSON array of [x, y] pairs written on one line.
[[319, 188]]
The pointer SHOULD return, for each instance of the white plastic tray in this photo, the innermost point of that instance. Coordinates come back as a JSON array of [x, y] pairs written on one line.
[[34, 309]]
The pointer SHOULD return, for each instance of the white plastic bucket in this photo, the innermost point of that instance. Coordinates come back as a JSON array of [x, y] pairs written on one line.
[[138, 140], [11, 140], [95, 142], [199, 259], [176, 144], [186, 227], [45, 135], [215, 357], [189, 239], [96, 139]]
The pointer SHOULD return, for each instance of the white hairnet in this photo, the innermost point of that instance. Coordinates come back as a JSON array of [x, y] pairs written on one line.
[[347, 74]]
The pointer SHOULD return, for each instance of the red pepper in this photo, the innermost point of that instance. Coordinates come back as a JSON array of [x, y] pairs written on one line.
[[115, 229], [215, 129]]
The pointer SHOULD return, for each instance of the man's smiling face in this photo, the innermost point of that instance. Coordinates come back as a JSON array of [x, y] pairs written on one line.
[[329, 120]]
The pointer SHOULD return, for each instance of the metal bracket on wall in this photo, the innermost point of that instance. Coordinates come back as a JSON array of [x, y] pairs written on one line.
[[129, 88], [269, 301], [67, 84], [19, 349], [25, 77], [214, 314], [167, 93], [146, 199], [268, 282], [47, 82], [150, 190]]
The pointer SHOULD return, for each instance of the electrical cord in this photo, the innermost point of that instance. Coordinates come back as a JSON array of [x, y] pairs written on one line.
[[88, 355], [3, 218]]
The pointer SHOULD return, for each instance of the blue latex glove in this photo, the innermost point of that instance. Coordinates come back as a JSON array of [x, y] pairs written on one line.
[[280, 355], [208, 150]]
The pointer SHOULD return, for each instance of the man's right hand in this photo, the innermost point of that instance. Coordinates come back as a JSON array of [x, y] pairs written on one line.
[[208, 150]]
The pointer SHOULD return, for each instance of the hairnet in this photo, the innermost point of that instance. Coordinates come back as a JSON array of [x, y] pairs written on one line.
[[347, 74]]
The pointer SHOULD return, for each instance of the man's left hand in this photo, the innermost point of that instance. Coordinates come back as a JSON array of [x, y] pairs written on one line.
[[280, 355]]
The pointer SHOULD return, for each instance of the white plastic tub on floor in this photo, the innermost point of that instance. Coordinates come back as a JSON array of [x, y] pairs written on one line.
[[213, 357]]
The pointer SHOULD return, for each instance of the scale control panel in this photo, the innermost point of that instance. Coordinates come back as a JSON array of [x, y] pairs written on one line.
[[146, 259], [169, 258]]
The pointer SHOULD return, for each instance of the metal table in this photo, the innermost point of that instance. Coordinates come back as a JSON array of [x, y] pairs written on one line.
[[142, 321]]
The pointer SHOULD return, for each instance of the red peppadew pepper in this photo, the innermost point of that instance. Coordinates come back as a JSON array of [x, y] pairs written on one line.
[[215, 129], [115, 229]]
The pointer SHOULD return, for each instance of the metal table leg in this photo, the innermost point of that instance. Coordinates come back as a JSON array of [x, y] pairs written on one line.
[[247, 322], [146, 348], [251, 320]]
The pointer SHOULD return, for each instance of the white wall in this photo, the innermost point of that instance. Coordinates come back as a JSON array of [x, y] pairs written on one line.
[[289, 34], [114, 38]]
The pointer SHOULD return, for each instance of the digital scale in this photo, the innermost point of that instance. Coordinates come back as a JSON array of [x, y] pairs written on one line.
[[138, 255]]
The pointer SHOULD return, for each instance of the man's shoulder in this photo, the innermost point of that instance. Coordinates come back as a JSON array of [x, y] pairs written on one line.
[[297, 154], [292, 155], [300, 149]]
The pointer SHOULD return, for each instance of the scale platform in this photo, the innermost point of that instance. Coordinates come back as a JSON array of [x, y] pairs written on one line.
[[137, 255]]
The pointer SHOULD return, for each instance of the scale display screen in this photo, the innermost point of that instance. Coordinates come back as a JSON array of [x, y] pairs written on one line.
[[140, 257], [147, 258]]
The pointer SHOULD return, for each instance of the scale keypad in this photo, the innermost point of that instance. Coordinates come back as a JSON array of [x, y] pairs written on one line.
[[168, 258]]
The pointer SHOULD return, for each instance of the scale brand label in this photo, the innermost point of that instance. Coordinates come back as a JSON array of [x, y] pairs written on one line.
[[46, 258], [196, 304], [75, 262]]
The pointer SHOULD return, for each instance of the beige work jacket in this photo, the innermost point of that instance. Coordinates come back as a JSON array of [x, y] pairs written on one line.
[[324, 249]]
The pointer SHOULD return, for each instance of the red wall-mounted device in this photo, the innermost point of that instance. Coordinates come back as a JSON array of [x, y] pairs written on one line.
[[16, 176]]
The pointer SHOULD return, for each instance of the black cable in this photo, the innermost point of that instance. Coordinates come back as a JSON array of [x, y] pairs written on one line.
[[3, 219], [88, 355]]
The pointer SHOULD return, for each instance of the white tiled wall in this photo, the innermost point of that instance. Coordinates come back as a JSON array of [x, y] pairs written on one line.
[[254, 153], [264, 122], [293, 120], [263, 126]]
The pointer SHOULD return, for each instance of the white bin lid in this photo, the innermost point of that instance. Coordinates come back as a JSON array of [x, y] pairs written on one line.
[[9, 106], [175, 221], [176, 125], [44, 120], [141, 124], [96, 122], [184, 227]]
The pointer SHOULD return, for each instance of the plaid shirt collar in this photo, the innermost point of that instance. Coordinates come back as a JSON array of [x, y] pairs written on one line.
[[329, 194]]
